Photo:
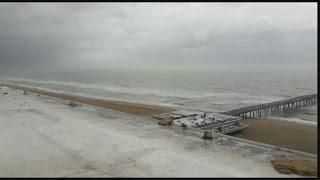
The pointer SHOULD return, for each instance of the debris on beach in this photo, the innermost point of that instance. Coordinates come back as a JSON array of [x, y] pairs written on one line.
[[207, 135], [216, 122], [184, 126], [72, 104], [157, 117], [25, 93], [165, 122], [5, 93], [297, 166], [311, 113]]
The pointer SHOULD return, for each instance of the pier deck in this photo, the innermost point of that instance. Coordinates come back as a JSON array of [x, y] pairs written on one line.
[[262, 110]]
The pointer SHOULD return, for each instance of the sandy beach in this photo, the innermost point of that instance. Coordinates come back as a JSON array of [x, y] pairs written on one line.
[[159, 90], [128, 107], [42, 136], [290, 135], [296, 136]]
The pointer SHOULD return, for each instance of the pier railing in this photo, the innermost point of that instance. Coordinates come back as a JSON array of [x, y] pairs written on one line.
[[262, 110]]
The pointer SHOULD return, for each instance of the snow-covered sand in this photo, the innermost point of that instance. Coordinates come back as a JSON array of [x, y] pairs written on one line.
[[42, 136]]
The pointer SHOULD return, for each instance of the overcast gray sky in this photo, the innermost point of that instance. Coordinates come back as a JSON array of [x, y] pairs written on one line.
[[43, 36]]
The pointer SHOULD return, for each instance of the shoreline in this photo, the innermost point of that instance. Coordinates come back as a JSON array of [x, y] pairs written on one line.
[[290, 135], [128, 107]]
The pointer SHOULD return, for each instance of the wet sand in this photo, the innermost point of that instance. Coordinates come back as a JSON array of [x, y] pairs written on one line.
[[290, 135], [128, 107]]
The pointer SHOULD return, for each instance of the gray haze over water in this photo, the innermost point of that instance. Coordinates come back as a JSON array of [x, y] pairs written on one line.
[[46, 36], [191, 55]]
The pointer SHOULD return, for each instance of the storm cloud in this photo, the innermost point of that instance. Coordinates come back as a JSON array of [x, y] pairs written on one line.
[[44, 36]]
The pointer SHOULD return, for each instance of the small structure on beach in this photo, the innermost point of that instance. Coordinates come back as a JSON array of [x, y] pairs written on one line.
[[220, 123], [72, 104]]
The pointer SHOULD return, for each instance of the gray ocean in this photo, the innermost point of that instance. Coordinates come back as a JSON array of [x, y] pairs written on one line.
[[211, 90]]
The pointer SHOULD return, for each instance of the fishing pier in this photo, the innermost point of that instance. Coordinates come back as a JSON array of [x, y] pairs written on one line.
[[263, 110]]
